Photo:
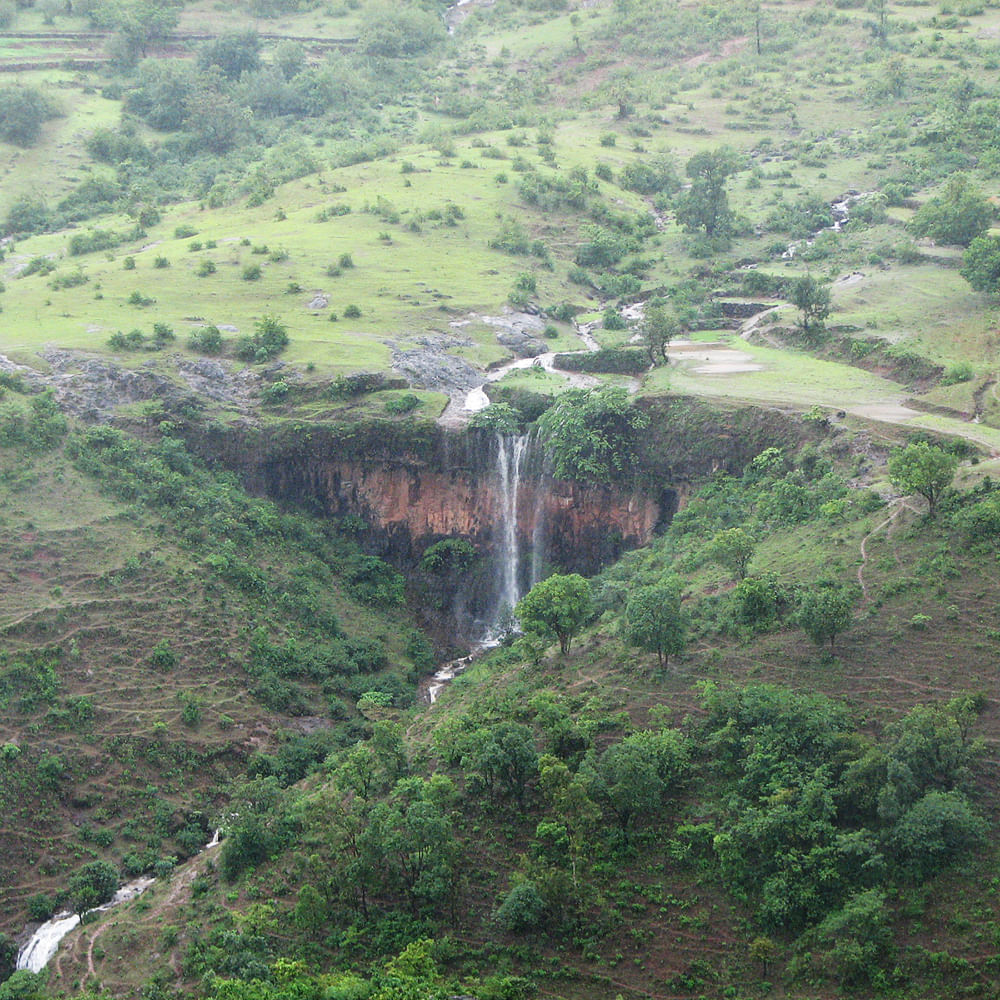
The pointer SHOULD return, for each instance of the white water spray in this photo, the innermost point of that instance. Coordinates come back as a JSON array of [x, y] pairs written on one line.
[[510, 457], [44, 943]]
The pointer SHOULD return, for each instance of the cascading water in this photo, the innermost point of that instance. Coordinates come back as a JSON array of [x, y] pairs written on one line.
[[511, 452], [44, 943]]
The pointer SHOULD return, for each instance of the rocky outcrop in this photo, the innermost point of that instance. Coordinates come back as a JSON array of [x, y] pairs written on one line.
[[413, 485], [409, 505]]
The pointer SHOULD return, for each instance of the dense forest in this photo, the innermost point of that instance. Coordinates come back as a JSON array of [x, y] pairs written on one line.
[[499, 500]]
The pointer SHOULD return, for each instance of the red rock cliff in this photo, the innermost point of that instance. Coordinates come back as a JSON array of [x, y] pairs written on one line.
[[577, 527]]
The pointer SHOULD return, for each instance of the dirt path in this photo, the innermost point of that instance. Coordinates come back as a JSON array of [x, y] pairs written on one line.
[[901, 505]]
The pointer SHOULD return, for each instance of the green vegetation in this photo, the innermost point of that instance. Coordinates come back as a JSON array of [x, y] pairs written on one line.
[[255, 256]]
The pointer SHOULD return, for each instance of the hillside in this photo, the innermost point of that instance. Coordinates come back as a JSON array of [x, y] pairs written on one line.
[[331, 332]]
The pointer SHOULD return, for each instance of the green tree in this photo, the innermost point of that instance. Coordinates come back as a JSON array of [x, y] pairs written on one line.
[[593, 435], [395, 32], [981, 264], [448, 557], [633, 778], [522, 909], [880, 27], [558, 606], [162, 92], [825, 611], [923, 468], [658, 327], [654, 621], [812, 299], [856, 938], [233, 52], [214, 119], [23, 111], [705, 204], [27, 214], [601, 247], [758, 601], [958, 215], [95, 883], [501, 757], [732, 548], [936, 829], [310, 911], [24, 985], [649, 177]]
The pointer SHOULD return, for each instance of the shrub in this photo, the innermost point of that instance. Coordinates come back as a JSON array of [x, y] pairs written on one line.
[[608, 360], [402, 404], [205, 268], [269, 339], [207, 340], [961, 371], [352, 312], [523, 909], [252, 272], [96, 239]]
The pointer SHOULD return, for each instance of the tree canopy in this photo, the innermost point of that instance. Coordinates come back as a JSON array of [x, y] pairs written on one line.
[[655, 621], [958, 215], [825, 611], [981, 264], [923, 468], [558, 606], [705, 205], [593, 435]]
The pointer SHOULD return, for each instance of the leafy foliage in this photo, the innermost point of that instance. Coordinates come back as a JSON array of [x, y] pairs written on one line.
[[958, 215], [654, 620], [593, 435], [558, 606], [925, 469]]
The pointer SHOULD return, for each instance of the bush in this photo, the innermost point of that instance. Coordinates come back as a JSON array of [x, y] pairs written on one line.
[[23, 111], [91, 885], [608, 360], [269, 339], [95, 239], [402, 404], [614, 320], [938, 828], [205, 268], [523, 909], [962, 371], [352, 312], [207, 340], [252, 272]]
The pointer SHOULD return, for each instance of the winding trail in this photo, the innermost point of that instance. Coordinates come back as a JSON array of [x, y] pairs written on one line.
[[900, 506]]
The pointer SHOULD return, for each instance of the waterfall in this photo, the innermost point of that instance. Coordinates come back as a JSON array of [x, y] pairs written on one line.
[[511, 451]]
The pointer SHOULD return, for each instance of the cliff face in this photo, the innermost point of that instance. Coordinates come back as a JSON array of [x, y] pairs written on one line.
[[410, 505]]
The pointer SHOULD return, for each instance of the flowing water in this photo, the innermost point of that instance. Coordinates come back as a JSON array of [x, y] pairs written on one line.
[[511, 451], [44, 943]]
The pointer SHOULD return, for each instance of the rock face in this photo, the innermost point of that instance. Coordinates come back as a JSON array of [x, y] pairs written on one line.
[[571, 526], [414, 490]]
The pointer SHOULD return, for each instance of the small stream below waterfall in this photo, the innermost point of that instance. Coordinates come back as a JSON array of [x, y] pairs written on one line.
[[841, 212], [44, 943]]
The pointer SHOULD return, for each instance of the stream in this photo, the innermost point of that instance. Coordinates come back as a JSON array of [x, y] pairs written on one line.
[[841, 212], [44, 943]]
